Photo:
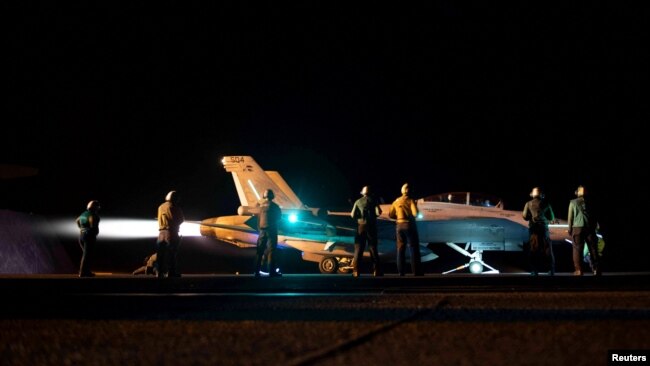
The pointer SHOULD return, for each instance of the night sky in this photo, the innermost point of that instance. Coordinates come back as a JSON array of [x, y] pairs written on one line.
[[123, 106]]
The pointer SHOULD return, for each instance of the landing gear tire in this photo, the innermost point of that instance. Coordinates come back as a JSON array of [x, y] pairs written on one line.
[[475, 267], [328, 265]]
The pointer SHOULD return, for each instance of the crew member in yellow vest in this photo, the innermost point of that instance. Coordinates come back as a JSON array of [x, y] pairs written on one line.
[[170, 218], [405, 211]]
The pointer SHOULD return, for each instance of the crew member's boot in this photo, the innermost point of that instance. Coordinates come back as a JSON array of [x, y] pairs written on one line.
[[376, 269], [594, 260], [258, 265], [271, 262], [415, 261], [374, 255]]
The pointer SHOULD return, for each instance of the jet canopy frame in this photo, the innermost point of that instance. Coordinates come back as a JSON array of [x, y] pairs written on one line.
[[466, 198]]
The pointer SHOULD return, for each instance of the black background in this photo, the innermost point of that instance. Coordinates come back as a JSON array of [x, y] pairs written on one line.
[[122, 105]]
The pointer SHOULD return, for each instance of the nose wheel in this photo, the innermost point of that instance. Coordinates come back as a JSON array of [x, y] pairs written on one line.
[[475, 264]]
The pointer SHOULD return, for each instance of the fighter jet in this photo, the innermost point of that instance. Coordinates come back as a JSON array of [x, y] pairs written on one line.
[[303, 228], [457, 218]]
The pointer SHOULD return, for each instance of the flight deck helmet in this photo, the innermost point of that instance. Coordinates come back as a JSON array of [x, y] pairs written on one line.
[[268, 194], [171, 196], [580, 191], [537, 192], [365, 190], [93, 205], [405, 188]]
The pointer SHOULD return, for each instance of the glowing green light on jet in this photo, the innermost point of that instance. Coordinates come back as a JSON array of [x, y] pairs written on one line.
[[293, 218]]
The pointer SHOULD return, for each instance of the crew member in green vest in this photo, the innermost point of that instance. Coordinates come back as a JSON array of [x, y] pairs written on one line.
[[88, 223], [365, 212]]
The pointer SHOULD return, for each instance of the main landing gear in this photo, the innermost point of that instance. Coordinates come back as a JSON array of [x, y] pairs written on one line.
[[330, 265]]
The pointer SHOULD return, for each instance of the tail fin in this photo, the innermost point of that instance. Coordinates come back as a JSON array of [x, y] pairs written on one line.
[[251, 181]]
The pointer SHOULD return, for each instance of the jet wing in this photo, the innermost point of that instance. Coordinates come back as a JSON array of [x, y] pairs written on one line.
[[244, 229]]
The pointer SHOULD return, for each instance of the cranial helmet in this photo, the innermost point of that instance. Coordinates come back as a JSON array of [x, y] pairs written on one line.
[[365, 190], [268, 194], [171, 196], [537, 192], [93, 205], [580, 191], [405, 188]]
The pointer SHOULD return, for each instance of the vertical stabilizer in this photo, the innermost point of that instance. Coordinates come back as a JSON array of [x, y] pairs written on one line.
[[295, 202], [251, 182]]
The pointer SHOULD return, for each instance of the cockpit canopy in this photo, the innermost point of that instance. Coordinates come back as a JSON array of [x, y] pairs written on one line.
[[466, 198]]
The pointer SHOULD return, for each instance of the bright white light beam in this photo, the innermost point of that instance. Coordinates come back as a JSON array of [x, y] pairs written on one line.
[[119, 228]]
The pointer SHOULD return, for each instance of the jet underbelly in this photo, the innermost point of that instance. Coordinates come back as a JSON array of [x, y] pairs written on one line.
[[460, 231], [482, 233]]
